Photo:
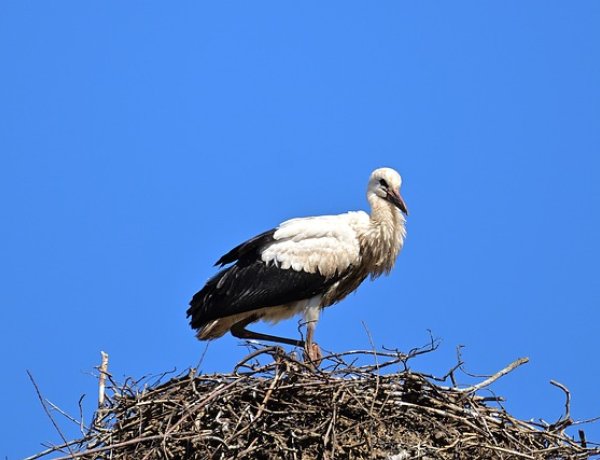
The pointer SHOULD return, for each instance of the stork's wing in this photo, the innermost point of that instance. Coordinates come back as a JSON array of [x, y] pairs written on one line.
[[300, 259], [327, 245], [246, 287], [249, 249]]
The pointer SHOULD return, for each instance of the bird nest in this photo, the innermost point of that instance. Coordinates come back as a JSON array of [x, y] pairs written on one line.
[[275, 406]]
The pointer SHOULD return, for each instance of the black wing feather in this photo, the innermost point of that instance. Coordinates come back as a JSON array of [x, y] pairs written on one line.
[[245, 287], [249, 249], [251, 284]]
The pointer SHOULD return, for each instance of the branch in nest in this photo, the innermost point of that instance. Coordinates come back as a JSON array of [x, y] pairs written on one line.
[[512, 366]]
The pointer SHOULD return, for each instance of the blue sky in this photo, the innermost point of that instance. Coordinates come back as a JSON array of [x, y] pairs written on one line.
[[141, 141]]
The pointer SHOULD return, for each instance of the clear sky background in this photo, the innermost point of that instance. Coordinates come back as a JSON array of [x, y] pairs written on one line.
[[140, 141]]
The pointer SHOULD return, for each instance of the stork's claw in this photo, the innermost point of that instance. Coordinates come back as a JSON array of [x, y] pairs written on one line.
[[312, 354]]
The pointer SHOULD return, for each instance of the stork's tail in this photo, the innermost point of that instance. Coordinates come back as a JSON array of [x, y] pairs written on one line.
[[203, 310]]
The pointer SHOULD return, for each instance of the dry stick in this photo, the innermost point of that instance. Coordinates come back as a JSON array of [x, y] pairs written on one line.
[[508, 451], [377, 368], [202, 356], [386, 354], [582, 439], [102, 380], [53, 449], [39, 394], [332, 420], [494, 377], [585, 421], [81, 421], [567, 418], [111, 447], [248, 449], [70, 417], [254, 354], [103, 369]]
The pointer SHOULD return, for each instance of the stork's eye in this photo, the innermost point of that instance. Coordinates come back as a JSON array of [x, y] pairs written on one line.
[[383, 183]]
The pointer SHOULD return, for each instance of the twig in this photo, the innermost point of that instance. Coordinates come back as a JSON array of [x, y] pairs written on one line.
[[509, 451], [42, 401], [64, 414], [111, 447], [494, 377], [565, 421], [585, 421], [582, 439], [377, 368], [53, 449], [81, 419], [202, 356]]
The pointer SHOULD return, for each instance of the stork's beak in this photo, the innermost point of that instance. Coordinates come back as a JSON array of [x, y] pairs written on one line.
[[394, 197]]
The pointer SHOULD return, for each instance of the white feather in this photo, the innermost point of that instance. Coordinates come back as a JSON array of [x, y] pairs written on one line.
[[322, 244]]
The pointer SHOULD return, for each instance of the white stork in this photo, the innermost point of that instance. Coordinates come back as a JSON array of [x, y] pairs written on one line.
[[302, 266]]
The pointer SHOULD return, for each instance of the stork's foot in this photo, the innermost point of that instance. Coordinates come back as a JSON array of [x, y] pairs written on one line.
[[312, 354]]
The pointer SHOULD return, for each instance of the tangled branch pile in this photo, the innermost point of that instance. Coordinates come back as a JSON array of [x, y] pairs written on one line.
[[286, 409]]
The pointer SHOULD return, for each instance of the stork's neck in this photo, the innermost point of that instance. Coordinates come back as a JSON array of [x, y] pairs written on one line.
[[384, 239]]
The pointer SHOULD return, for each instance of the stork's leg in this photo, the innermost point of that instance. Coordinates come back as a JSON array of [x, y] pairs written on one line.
[[239, 330], [312, 352]]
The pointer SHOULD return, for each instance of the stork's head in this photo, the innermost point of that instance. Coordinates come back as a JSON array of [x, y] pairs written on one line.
[[384, 184]]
